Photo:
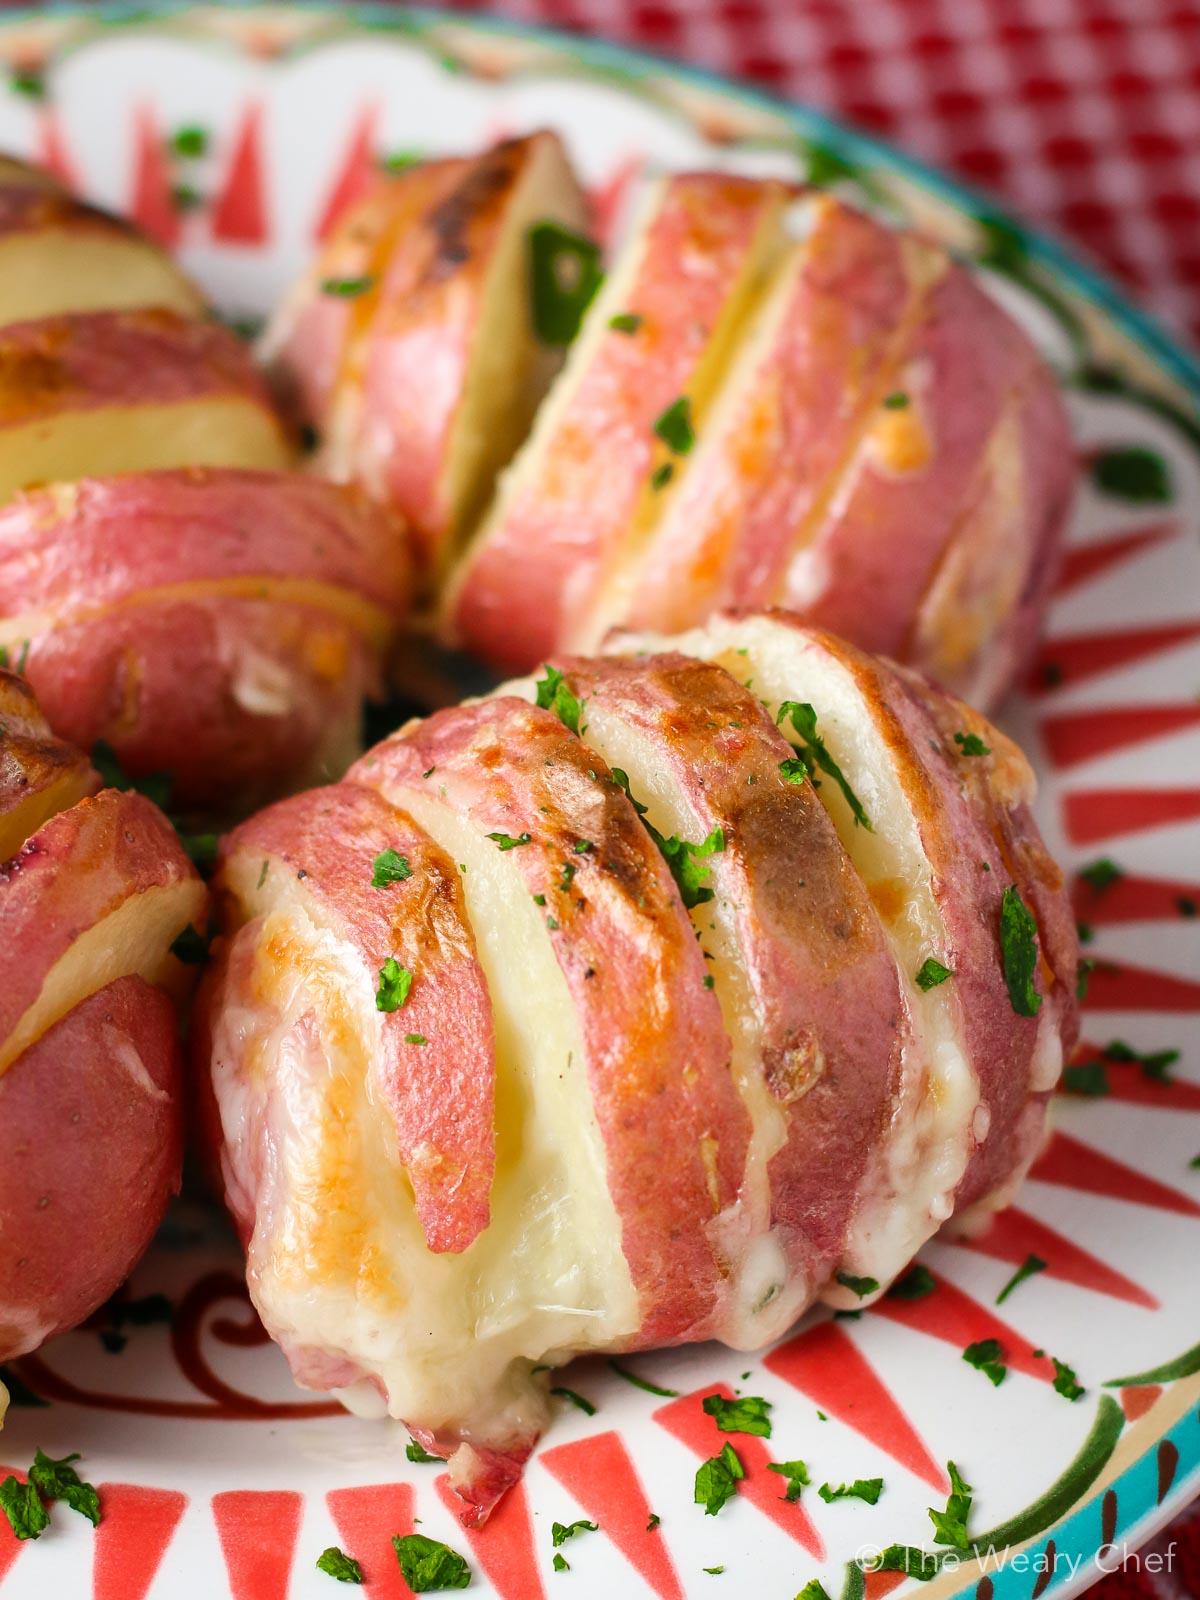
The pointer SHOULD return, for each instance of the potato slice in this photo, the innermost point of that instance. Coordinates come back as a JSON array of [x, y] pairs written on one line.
[[58, 255], [39, 774], [99, 893], [584, 486], [107, 392]]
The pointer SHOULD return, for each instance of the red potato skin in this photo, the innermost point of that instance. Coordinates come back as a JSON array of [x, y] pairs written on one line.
[[967, 815], [820, 969], [91, 1146], [77, 869], [112, 358], [627, 950], [728, 532], [568, 520], [147, 651], [867, 570], [441, 1094], [38, 773]]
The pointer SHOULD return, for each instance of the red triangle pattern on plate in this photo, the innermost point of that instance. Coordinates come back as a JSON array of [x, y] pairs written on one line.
[[1090, 815], [1073, 658], [600, 1474], [239, 215], [1075, 1165], [258, 1529], [951, 1315], [1014, 1234], [825, 1364], [687, 1420], [1128, 1083], [354, 174], [151, 203], [1079, 736], [1133, 899], [52, 149], [504, 1545], [366, 1520], [1084, 562], [1114, 986], [136, 1526]]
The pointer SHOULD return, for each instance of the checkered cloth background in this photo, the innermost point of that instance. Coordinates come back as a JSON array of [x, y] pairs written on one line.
[[1083, 116]]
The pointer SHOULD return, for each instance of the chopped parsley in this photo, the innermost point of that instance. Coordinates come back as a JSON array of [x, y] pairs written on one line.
[[896, 401], [585, 1406], [916, 1283], [796, 1473], [561, 1564], [1029, 1268], [1102, 874], [400, 160], [813, 1590], [190, 142], [919, 1564], [417, 1452], [564, 276], [709, 981], [428, 1565], [155, 786], [654, 1521], [971, 744], [794, 769], [1064, 1380], [1155, 1065], [717, 1480], [560, 1532], [569, 869], [625, 322], [643, 1383], [505, 841], [415, 1038], [190, 947], [985, 1356], [1086, 968], [22, 1505], [1186, 906], [950, 1525], [1089, 1077], [22, 659], [714, 1571], [816, 754], [1133, 473], [674, 426], [859, 1286], [388, 868], [394, 983], [1019, 953], [868, 1489], [553, 694], [346, 288], [262, 877], [932, 973], [684, 859], [339, 1565], [748, 1414], [27, 82], [662, 475], [58, 1480]]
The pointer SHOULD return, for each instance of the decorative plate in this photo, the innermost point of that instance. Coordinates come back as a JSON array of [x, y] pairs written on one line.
[[232, 134]]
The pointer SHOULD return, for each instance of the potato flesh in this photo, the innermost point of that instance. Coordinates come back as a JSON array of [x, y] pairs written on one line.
[[133, 940], [55, 270], [450, 1336], [929, 1142], [24, 820], [226, 432]]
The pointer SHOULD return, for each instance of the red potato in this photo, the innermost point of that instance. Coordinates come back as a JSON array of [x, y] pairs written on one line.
[[59, 255], [231, 643], [950, 832], [92, 900], [424, 383], [581, 489], [39, 774], [107, 392]]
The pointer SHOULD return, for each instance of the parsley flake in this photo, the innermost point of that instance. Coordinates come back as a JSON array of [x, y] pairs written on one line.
[[794, 769], [643, 1383], [1101, 874], [505, 841], [662, 475], [714, 1571], [1064, 1380], [932, 973], [428, 1565], [190, 947], [717, 1480], [919, 1564], [868, 1489], [859, 1286], [748, 1414], [1088, 1077], [415, 1038], [970, 744], [564, 276], [896, 401], [346, 288], [916, 1283], [388, 868], [1133, 473], [625, 322], [1154, 1065], [339, 1565], [190, 142], [395, 982], [561, 1564], [654, 1521], [1029, 1268], [585, 1406], [560, 1532], [416, 1451], [554, 694], [816, 754], [796, 1473], [985, 1356], [1019, 953], [22, 1505], [813, 1590], [58, 1480], [674, 426]]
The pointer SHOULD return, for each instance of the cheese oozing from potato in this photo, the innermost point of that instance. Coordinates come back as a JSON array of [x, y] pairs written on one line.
[[925, 1151], [338, 1260]]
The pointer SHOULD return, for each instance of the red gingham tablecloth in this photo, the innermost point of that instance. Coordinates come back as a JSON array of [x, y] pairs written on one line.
[[1083, 116]]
